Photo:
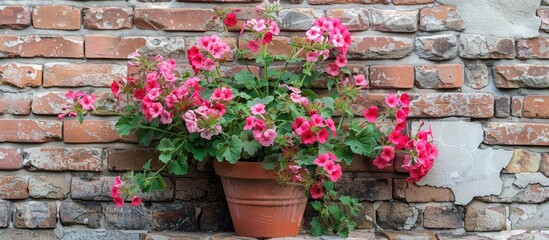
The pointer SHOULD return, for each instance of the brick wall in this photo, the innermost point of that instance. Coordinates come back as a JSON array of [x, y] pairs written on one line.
[[55, 175]]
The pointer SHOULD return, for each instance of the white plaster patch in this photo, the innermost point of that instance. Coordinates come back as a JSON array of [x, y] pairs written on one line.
[[502, 18], [525, 179], [461, 166]]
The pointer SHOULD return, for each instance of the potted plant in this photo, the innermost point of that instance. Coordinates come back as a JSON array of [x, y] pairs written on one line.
[[275, 141]]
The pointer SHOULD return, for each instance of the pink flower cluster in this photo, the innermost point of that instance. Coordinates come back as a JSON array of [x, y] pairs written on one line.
[[332, 31], [203, 119], [264, 135], [214, 49], [315, 129], [116, 194], [328, 161], [422, 157], [264, 31], [81, 101]]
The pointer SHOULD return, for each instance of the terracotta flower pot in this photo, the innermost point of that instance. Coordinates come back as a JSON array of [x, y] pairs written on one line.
[[258, 206]]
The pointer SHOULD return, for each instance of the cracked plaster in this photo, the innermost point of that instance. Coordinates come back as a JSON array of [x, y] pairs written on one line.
[[461, 165], [500, 18]]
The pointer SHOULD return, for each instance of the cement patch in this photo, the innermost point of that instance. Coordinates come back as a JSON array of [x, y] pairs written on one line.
[[461, 166], [500, 18]]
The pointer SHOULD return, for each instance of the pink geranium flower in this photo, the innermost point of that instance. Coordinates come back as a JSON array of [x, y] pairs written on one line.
[[323, 136], [391, 100], [253, 46], [371, 114], [87, 102], [136, 201], [316, 191], [258, 109], [332, 69], [119, 201]]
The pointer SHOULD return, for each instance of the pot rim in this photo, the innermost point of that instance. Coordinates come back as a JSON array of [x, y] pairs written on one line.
[[243, 170]]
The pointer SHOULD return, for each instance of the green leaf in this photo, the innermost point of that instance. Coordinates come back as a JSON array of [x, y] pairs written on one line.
[[229, 150], [80, 117], [329, 186], [345, 200], [123, 126], [165, 157], [316, 205], [144, 136], [157, 183], [147, 166], [309, 93], [198, 152], [317, 229], [363, 145], [165, 145], [270, 162], [179, 166], [250, 145]]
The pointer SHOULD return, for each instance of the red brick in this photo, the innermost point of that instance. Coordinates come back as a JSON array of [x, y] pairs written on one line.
[[108, 18], [379, 47], [174, 19], [440, 18], [92, 131], [64, 159], [112, 47], [279, 46], [439, 76], [536, 107], [82, 74], [521, 75], [21, 75], [99, 189], [34, 214], [132, 159], [414, 193], [10, 158], [412, 2], [52, 187], [165, 216], [316, 2], [544, 165], [220, 1], [364, 164], [27, 130], [229, 56], [533, 48], [56, 17], [443, 217], [14, 103], [475, 46], [356, 19], [523, 162], [485, 217], [14, 17], [475, 105], [42, 46], [13, 187], [49, 103], [499, 133], [391, 76], [516, 106], [543, 13]]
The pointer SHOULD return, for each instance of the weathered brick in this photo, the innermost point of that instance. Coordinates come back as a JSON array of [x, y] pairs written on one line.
[[379, 47], [53, 187], [501, 133], [82, 213], [21, 234], [486, 47], [99, 189], [14, 103], [174, 19], [394, 20], [103, 46], [439, 76], [49, 103], [5, 213], [412, 2], [521, 75], [532, 193], [15, 17], [439, 47], [476, 75], [355, 19], [33, 214], [111, 18], [200, 188], [64, 159], [503, 106], [533, 48], [397, 215], [391, 76], [364, 164], [440, 18], [21, 75], [10, 158], [215, 217], [82, 74], [279, 46], [543, 13], [485, 217], [127, 217], [317, 2], [529, 216], [42, 46], [14, 187], [476, 105], [56, 17], [132, 159], [298, 19], [174, 217], [536, 107], [92, 131], [27, 130], [516, 106], [544, 166], [414, 193], [218, 1], [444, 216], [369, 189]]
